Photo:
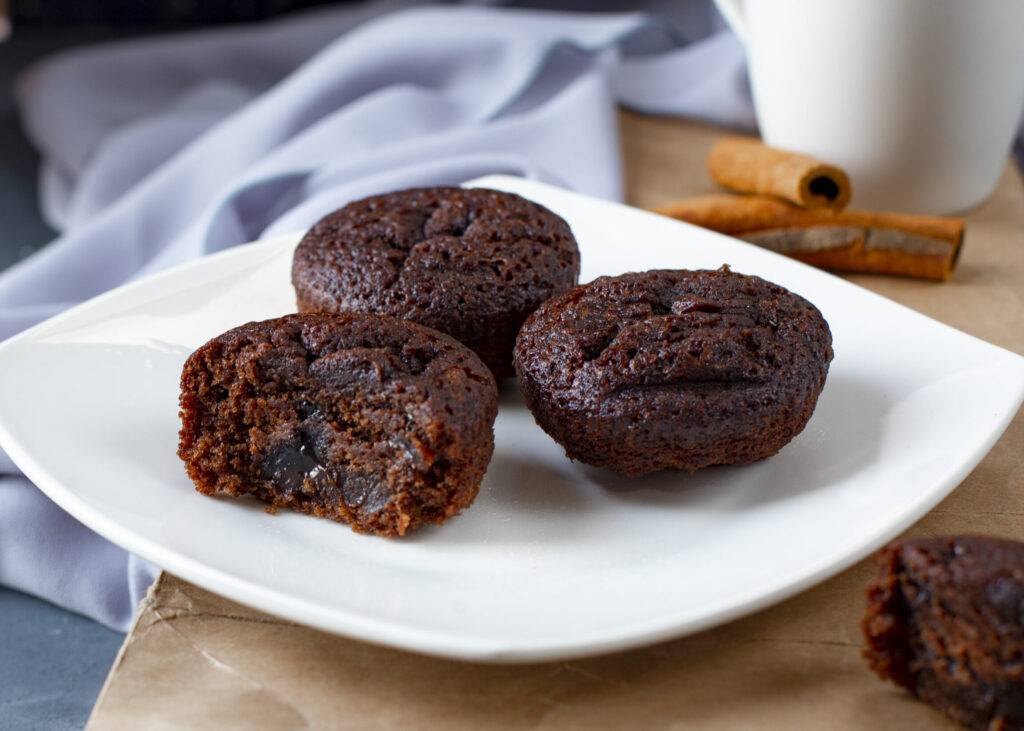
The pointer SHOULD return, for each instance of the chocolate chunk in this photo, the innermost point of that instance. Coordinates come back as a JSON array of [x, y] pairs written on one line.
[[289, 468]]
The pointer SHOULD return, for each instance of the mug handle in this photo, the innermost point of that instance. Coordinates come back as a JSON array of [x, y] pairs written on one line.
[[732, 11]]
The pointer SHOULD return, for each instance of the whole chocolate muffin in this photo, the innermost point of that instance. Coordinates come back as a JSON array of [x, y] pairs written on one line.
[[473, 263], [376, 422], [945, 620], [673, 369]]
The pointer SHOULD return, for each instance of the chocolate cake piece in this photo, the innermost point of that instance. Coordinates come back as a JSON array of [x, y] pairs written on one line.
[[945, 620], [372, 421], [673, 369], [470, 262]]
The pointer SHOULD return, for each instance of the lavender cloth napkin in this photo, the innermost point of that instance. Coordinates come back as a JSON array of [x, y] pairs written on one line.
[[163, 150]]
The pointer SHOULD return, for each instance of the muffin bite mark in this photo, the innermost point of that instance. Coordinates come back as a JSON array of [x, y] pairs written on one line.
[[368, 420]]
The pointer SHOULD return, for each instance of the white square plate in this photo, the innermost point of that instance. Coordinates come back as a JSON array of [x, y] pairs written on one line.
[[554, 559]]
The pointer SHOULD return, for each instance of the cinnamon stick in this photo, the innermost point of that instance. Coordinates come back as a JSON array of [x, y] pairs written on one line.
[[925, 247], [747, 165]]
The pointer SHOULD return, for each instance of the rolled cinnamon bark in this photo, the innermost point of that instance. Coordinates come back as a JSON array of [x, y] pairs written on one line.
[[925, 247], [747, 165]]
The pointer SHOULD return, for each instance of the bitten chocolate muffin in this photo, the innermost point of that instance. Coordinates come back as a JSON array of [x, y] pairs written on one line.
[[368, 420], [473, 263], [945, 620], [673, 369]]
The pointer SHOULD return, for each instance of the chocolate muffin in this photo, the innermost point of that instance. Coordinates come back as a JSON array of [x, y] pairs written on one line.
[[372, 421], [473, 263], [945, 620], [673, 369]]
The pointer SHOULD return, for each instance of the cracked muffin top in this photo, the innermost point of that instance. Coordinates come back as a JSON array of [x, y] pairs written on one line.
[[640, 336], [473, 263], [673, 369]]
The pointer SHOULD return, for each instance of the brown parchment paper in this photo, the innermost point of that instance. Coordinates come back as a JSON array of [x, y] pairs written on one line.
[[195, 660]]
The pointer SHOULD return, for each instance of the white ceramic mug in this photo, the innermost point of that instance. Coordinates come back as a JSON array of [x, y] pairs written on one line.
[[918, 100]]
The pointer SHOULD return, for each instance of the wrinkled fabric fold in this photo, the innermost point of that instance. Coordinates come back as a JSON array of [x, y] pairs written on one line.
[[159, 151]]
